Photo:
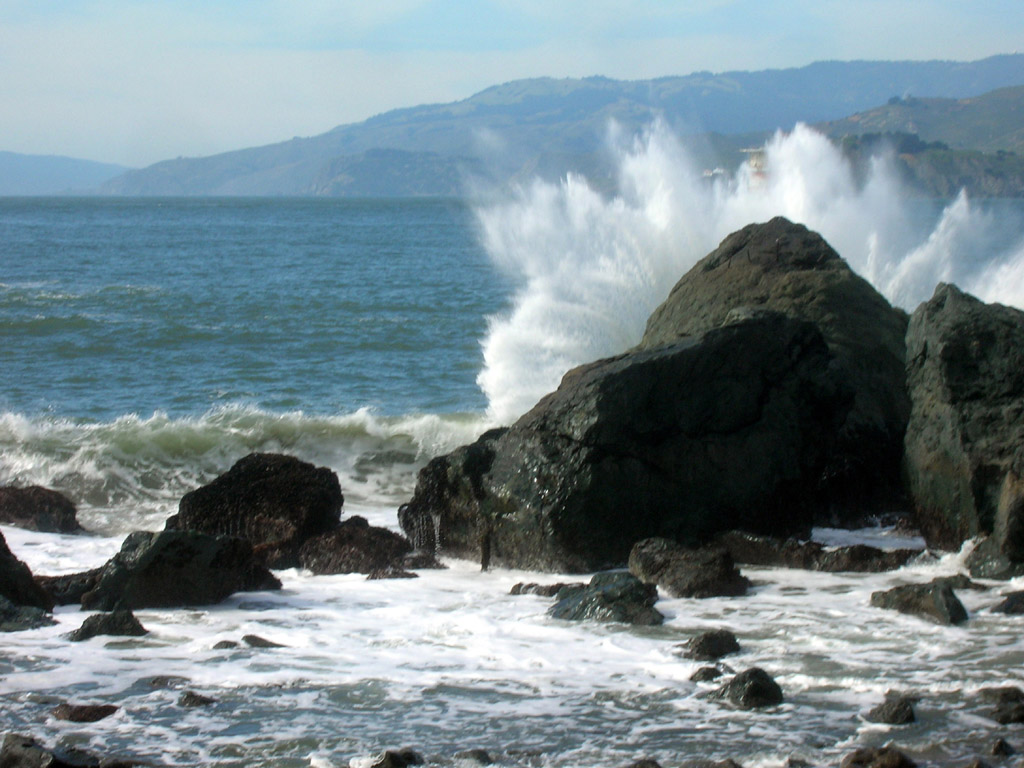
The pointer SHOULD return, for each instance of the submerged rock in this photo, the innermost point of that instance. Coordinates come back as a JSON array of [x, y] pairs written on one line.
[[731, 429], [274, 502], [38, 509], [682, 572], [965, 438], [935, 601], [16, 582], [176, 568], [711, 645], [751, 689], [611, 596], [17, 618], [120, 623]]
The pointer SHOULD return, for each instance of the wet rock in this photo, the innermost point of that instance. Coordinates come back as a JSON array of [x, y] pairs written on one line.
[[729, 429], [390, 758], [354, 547], [1000, 748], [644, 763], [1009, 712], [712, 645], [894, 711], [274, 502], [20, 751], [706, 675], [610, 596], [16, 582], [1012, 604], [118, 623], [544, 590], [176, 568], [932, 601], [418, 560], [255, 641], [38, 509], [225, 645], [191, 699], [17, 618], [83, 713], [749, 549], [69, 589], [683, 572], [167, 681], [751, 689], [390, 572], [964, 463], [478, 756], [784, 267], [706, 763], [977, 763], [877, 757]]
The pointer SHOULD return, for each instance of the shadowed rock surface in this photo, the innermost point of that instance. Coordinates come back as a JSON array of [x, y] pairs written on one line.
[[964, 456], [750, 549], [895, 711], [16, 582], [354, 546], [70, 588], [274, 502], [17, 618], [38, 509], [935, 601], [682, 572], [751, 689], [610, 596], [877, 757], [731, 429], [711, 645], [118, 623]]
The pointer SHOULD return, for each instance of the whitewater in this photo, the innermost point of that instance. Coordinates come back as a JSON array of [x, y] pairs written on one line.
[[149, 345]]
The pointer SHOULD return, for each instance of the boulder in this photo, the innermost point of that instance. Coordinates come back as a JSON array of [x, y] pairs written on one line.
[[711, 645], [83, 713], [120, 623], [38, 509], [610, 596], [731, 429], [877, 757], [17, 618], [935, 601], [750, 549], [682, 572], [354, 546], [176, 568], [751, 689], [898, 710], [274, 502], [784, 267], [16, 582], [69, 588], [965, 438]]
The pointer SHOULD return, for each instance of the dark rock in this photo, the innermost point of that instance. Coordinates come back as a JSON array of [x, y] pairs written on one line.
[[17, 618], [544, 590], [610, 596], [118, 623], [25, 752], [192, 699], [964, 463], [706, 675], [16, 582], [877, 757], [274, 502], [960, 581], [751, 689], [894, 711], [749, 549], [1000, 748], [784, 267], [1007, 694], [682, 572], [706, 763], [478, 756], [1009, 712], [977, 763], [38, 509], [176, 568], [644, 763], [255, 641], [69, 589], [397, 758], [166, 681], [224, 645], [1013, 604], [83, 713], [933, 601], [712, 645], [732, 429], [390, 572], [354, 547]]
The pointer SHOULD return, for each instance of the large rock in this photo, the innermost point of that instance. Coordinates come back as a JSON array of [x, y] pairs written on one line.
[[682, 572], [965, 439], [17, 618], [731, 429], [38, 509], [355, 546], [275, 502], [610, 596], [176, 568], [16, 582], [787, 268]]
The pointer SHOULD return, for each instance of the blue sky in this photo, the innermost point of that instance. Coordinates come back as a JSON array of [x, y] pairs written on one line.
[[137, 81]]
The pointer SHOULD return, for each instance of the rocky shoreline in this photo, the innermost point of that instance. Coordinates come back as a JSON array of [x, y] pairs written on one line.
[[774, 390]]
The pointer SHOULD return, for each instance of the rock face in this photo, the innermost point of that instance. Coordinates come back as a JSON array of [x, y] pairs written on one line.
[[355, 546], [38, 509], [176, 568], [787, 268], [935, 601], [965, 439], [16, 582], [683, 572], [730, 429], [610, 596], [274, 502]]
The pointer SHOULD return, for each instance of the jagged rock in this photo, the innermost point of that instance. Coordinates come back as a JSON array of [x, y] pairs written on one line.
[[17, 618], [544, 590], [176, 568], [683, 572], [711, 645], [191, 699], [610, 596], [751, 689], [784, 267], [354, 547], [935, 601], [16, 582], [70, 588], [274, 502], [119, 623], [83, 713], [898, 710], [877, 757], [731, 429], [38, 509], [964, 457], [749, 549]]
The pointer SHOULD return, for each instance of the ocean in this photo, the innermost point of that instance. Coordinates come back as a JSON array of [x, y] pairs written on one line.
[[150, 343]]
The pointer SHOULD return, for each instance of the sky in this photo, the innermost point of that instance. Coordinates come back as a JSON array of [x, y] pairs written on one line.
[[138, 81]]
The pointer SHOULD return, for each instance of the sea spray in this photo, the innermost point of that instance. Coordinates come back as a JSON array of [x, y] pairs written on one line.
[[590, 268]]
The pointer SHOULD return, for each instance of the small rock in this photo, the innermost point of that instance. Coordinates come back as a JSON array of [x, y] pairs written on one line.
[[645, 763], [751, 689], [167, 681], [193, 699], [38, 509], [932, 601], [255, 641], [706, 675], [896, 711], [1012, 604], [977, 763], [1009, 712], [712, 645], [83, 713], [1000, 748], [682, 572], [224, 645], [706, 763], [390, 572], [118, 623], [877, 757]]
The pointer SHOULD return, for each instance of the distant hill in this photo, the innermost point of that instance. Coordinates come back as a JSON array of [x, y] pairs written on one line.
[[52, 175], [546, 126]]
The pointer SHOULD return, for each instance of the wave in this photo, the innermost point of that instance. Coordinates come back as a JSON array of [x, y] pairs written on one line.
[[590, 269], [130, 473]]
